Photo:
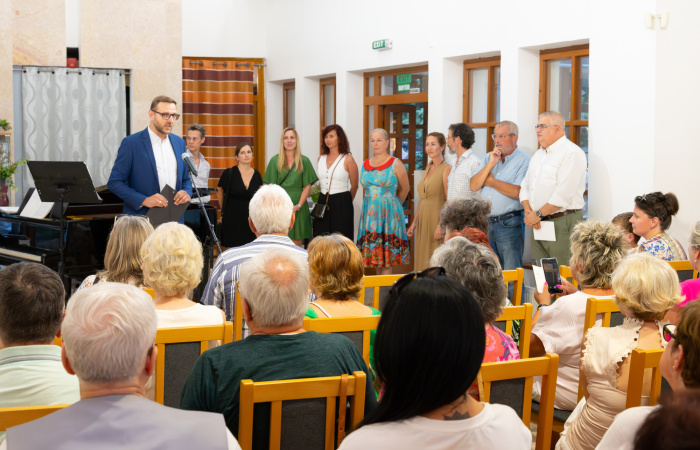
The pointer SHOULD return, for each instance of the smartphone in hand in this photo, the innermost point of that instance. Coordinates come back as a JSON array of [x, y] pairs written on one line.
[[551, 274]]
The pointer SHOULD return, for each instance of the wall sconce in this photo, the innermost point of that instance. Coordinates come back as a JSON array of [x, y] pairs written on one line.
[[662, 18]]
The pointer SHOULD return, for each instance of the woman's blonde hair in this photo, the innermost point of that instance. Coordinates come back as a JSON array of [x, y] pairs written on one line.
[[646, 286], [123, 254], [336, 268], [596, 247], [282, 159], [172, 260]]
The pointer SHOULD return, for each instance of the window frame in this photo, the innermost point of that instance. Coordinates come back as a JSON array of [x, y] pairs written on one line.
[[286, 87], [492, 63], [323, 82]]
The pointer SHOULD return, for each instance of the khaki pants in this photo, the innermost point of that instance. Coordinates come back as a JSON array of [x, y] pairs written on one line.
[[561, 248]]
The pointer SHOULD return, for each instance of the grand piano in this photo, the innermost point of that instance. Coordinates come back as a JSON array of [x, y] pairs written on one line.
[[87, 228]]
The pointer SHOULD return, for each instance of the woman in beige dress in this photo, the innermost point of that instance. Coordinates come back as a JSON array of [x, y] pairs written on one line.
[[432, 190]]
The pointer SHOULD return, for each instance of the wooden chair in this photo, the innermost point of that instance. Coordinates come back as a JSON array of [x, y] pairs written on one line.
[[357, 329], [150, 292], [375, 282], [178, 350], [523, 313], [640, 361], [510, 383], [58, 341], [11, 417], [565, 272], [515, 275], [684, 269], [277, 392]]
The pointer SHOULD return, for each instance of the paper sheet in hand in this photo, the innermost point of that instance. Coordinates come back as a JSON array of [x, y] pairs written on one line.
[[540, 280], [546, 231], [170, 213], [35, 208]]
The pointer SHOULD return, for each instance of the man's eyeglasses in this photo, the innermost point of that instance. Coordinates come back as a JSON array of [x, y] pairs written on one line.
[[501, 136], [167, 116], [669, 332], [541, 126], [402, 282]]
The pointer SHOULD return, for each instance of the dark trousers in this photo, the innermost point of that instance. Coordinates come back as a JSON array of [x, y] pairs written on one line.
[[339, 216]]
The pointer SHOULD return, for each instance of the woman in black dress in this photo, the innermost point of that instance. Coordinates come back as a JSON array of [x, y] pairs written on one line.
[[237, 186]]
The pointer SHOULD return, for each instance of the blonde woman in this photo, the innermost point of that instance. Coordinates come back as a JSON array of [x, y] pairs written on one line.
[[295, 173], [123, 254]]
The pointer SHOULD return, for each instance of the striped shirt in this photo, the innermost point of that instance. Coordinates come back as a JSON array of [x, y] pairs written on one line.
[[458, 180], [221, 288]]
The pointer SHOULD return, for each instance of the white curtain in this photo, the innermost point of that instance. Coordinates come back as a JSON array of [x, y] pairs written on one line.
[[73, 115]]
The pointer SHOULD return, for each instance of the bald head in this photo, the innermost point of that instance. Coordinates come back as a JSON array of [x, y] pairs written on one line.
[[275, 285]]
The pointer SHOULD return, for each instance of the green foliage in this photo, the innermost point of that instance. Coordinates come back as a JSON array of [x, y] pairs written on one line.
[[5, 125], [7, 169]]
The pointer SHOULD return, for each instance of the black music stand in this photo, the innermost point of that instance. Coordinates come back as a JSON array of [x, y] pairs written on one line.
[[63, 182]]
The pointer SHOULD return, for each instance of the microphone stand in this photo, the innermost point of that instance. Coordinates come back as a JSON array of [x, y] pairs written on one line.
[[212, 234]]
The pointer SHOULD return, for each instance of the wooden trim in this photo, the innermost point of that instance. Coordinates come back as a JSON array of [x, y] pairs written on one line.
[[259, 130], [286, 87], [386, 73], [396, 99], [482, 62], [562, 50], [490, 64], [330, 81]]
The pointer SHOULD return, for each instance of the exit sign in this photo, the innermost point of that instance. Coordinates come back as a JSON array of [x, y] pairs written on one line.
[[382, 44], [403, 82]]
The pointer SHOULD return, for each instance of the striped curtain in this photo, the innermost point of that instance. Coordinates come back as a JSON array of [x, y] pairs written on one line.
[[219, 95]]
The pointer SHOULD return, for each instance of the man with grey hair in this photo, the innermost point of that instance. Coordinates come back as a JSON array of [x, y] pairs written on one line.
[[274, 294], [194, 140], [553, 187], [498, 180], [108, 336], [271, 217]]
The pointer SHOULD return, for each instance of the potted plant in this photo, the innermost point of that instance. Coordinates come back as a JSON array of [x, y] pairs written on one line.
[[7, 168]]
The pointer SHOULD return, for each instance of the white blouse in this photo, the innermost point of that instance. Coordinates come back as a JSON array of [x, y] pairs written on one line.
[[341, 177]]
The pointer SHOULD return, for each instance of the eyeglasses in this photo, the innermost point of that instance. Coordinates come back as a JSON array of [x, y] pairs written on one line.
[[501, 136], [541, 126], [167, 116], [669, 332], [402, 282], [135, 216]]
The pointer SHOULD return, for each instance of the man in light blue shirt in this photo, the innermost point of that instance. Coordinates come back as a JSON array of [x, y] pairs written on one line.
[[498, 179]]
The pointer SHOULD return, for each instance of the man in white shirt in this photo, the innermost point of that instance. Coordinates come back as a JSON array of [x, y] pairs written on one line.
[[553, 187], [460, 138], [195, 139]]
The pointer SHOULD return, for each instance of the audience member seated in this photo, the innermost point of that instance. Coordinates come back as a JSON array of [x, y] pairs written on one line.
[[680, 366], [468, 218], [271, 217], [108, 336], [651, 218], [123, 253], [32, 301], [645, 289], [172, 266], [622, 221], [275, 296], [336, 276], [674, 426], [429, 348], [596, 248], [690, 289]]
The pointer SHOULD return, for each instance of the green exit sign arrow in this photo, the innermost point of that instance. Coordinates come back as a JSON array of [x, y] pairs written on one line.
[[382, 44]]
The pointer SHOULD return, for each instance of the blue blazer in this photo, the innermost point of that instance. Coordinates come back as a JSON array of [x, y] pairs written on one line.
[[134, 176]]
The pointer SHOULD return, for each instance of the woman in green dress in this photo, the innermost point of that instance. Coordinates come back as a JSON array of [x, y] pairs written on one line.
[[294, 172]]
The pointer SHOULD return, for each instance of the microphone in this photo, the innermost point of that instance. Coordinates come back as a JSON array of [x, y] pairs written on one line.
[[190, 163]]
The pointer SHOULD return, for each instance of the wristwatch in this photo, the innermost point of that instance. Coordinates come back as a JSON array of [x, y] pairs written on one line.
[[539, 214]]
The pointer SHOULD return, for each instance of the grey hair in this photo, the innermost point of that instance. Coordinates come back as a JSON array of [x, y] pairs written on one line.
[[508, 125], [198, 127], [555, 118], [271, 209], [476, 268], [695, 236], [471, 212], [108, 331], [275, 284], [381, 131]]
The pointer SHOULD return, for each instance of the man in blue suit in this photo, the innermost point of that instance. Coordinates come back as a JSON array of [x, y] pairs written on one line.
[[150, 159]]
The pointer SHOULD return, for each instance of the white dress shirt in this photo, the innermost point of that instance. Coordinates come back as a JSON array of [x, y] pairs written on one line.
[[202, 178], [556, 175], [458, 180], [166, 164]]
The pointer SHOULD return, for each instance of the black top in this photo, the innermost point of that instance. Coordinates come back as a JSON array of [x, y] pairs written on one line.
[[235, 230]]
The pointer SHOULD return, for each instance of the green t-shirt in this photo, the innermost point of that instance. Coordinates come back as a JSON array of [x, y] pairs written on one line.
[[214, 383]]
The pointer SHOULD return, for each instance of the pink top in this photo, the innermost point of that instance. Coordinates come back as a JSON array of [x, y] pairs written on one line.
[[690, 289], [499, 347]]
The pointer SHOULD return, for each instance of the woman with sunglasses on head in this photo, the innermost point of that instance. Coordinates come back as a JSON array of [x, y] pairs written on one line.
[[651, 218], [428, 351], [294, 172], [680, 366], [645, 289], [123, 253]]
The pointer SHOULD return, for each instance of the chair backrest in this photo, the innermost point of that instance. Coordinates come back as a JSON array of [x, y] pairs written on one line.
[[523, 313], [11, 417], [510, 383], [178, 350], [150, 292], [640, 361], [684, 269], [277, 392], [515, 275], [565, 272], [58, 340], [237, 316], [357, 329], [375, 282]]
